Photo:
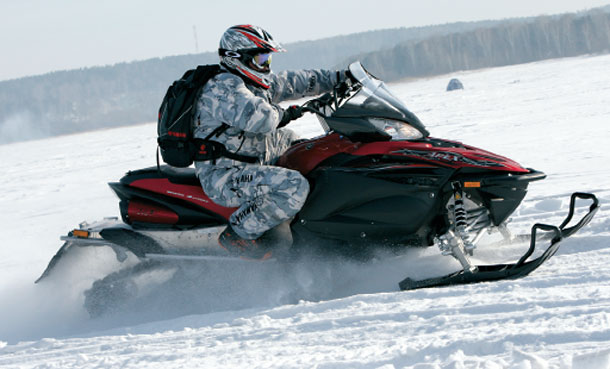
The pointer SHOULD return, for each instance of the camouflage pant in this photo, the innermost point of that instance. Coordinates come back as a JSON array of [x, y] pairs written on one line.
[[265, 195]]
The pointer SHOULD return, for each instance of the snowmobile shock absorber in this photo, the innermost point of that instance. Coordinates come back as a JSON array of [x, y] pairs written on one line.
[[460, 215], [453, 245]]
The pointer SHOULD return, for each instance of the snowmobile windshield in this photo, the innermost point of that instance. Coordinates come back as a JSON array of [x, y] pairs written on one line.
[[379, 107]]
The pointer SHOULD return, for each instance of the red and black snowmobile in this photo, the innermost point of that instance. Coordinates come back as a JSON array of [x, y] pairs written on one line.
[[378, 181]]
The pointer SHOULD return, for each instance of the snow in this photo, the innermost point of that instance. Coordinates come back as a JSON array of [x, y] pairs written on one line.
[[553, 116]]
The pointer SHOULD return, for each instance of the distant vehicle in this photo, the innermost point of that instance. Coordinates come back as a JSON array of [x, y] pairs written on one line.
[[455, 84]]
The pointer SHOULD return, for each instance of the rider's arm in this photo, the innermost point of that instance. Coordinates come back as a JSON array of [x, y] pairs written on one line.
[[288, 85], [227, 99]]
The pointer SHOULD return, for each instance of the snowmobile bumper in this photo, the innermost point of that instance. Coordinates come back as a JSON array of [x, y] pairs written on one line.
[[523, 267]]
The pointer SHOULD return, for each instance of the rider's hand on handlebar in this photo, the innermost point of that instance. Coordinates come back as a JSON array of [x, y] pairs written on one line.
[[350, 77], [291, 113], [343, 88], [346, 84]]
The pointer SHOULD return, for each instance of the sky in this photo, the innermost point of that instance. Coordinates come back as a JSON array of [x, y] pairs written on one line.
[[41, 36]]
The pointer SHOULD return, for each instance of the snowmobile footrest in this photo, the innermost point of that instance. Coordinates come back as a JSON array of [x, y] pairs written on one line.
[[486, 273]]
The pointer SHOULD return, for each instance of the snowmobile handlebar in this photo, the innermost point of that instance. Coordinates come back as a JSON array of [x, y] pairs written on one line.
[[335, 97]]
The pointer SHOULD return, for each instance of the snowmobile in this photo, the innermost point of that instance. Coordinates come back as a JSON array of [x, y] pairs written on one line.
[[378, 181]]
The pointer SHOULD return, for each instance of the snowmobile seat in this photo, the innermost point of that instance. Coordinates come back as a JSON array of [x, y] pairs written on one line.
[[180, 175], [185, 176]]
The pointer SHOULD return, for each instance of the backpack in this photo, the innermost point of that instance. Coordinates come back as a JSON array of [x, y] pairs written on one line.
[[174, 129]]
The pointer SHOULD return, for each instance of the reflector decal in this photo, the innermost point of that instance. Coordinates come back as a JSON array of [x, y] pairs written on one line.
[[448, 157]]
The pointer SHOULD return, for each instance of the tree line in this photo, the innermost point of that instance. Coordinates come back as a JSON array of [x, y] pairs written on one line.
[[130, 93], [544, 38]]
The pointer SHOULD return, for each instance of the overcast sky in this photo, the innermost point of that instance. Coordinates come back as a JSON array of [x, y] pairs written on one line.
[[40, 36]]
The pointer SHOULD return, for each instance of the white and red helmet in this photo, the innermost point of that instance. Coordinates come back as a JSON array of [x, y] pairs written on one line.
[[246, 49]]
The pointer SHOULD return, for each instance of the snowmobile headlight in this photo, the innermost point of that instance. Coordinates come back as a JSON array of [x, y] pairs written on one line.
[[397, 129]]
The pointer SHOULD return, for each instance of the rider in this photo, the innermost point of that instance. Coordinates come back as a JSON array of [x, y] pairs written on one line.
[[238, 108]]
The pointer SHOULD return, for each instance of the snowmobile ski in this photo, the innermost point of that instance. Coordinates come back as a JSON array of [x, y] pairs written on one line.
[[488, 273]]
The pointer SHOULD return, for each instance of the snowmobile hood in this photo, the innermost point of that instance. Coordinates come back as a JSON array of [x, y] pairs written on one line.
[[306, 156]]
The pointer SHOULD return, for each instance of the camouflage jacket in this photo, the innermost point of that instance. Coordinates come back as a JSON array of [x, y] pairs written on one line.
[[250, 111]]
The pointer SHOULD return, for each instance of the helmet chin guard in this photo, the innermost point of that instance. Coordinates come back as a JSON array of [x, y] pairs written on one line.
[[245, 50]]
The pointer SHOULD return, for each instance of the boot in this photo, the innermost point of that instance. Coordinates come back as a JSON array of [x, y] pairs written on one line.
[[256, 249]]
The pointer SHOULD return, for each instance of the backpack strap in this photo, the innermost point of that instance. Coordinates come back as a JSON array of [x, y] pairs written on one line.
[[218, 131], [206, 149]]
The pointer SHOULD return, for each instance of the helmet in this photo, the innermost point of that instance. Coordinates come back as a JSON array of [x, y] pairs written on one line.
[[246, 50]]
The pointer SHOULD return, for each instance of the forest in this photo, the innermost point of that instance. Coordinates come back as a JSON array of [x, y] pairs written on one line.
[[516, 43], [129, 93]]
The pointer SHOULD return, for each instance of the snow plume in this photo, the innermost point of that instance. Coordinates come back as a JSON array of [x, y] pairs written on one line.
[[53, 307], [22, 126], [195, 288], [176, 289], [34, 312], [57, 306]]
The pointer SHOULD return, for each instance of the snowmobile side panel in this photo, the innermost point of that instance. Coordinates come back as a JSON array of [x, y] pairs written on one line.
[[188, 193], [499, 192], [139, 211], [307, 155], [177, 189], [188, 213], [396, 206]]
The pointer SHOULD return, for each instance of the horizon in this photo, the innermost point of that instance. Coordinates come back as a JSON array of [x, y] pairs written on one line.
[[78, 35]]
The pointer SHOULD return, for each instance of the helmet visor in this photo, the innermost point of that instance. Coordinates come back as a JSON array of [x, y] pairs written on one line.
[[262, 61]]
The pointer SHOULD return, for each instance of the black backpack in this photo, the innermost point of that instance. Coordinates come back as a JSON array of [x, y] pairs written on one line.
[[174, 130]]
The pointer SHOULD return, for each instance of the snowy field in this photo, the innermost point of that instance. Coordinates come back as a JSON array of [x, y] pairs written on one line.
[[553, 116]]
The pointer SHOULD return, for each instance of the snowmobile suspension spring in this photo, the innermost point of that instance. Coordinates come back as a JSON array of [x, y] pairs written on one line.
[[459, 210], [460, 214]]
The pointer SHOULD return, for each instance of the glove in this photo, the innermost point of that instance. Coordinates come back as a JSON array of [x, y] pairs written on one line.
[[291, 113], [347, 81], [345, 76], [350, 77]]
